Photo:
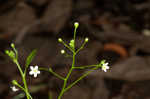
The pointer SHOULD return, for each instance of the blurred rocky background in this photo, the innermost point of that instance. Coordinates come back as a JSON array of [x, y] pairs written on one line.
[[119, 31]]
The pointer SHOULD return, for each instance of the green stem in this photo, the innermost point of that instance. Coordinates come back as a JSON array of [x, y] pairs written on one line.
[[74, 36], [72, 67], [26, 88], [55, 74], [80, 78], [51, 71], [83, 67], [19, 67], [20, 87], [44, 69], [67, 46], [24, 80], [16, 52], [82, 46], [67, 77]]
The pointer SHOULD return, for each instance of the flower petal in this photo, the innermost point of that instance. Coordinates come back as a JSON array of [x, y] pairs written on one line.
[[107, 67], [14, 88], [38, 72], [35, 75], [106, 64], [36, 67], [105, 70], [31, 67], [31, 73]]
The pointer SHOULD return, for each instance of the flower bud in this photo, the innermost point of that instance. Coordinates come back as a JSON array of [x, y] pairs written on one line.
[[86, 39], [76, 24], [7, 52], [14, 82], [62, 51], [12, 45], [71, 43], [59, 40]]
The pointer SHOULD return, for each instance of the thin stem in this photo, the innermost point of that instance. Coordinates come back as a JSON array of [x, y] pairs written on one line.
[[44, 69], [82, 46], [25, 71], [80, 78], [20, 87], [26, 88], [24, 80], [51, 71], [67, 77], [62, 90], [67, 46], [67, 55], [83, 67], [19, 67], [16, 52], [72, 67], [55, 74], [74, 36]]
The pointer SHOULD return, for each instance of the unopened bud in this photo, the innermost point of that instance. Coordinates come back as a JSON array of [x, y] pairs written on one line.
[[7, 52], [12, 45], [86, 39], [62, 51], [76, 24], [14, 82], [59, 40]]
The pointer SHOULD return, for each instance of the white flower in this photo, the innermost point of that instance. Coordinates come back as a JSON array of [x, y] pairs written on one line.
[[14, 89], [34, 71], [105, 67]]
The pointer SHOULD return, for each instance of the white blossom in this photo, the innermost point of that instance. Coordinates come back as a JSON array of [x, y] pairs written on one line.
[[105, 67], [34, 71], [14, 89]]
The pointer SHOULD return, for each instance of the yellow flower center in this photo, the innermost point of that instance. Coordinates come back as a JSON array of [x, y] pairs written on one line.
[[35, 71]]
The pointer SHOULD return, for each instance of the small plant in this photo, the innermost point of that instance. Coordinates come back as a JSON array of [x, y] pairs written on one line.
[[13, 54], [34, 70]]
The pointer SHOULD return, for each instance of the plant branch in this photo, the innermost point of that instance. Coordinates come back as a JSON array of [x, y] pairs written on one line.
[[80, 78], [82, 46], [84, 67], [51, 71], [67, 46]]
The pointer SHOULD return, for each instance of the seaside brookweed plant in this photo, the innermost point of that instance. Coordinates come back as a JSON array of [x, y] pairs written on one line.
[[35, 70]]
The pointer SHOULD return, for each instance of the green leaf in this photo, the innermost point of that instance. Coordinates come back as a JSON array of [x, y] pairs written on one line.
[[30, 58]]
